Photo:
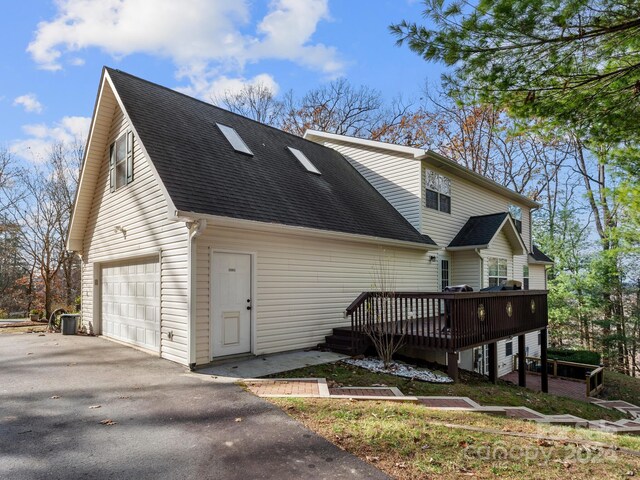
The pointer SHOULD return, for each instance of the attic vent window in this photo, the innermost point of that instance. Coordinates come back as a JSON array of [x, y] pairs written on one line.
[[302, 158], [234, 139]]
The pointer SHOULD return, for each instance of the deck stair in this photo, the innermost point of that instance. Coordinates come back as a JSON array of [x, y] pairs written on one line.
[[343, 340]]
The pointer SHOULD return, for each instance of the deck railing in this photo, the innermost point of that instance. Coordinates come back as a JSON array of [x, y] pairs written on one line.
[[449, 321], [592, 375]]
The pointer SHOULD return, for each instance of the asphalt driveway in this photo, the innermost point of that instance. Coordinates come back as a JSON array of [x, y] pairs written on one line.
[[168, 423]]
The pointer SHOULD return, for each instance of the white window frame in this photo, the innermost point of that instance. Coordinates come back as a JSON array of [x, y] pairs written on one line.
[[440, 185], [497, 278], [125, 161]]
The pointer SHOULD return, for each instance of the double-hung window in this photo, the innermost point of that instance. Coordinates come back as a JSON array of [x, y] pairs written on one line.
[[525, 277], [437, 192], [121, 161], [497, 271]]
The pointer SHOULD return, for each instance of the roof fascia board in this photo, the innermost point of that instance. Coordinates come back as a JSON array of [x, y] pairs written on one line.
[[170, 205], [75, 244], [469, 247], [311, 134], [533, 261], [432, 157], [301, 231]]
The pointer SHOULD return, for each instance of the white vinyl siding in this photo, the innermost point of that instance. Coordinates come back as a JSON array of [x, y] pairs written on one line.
[[537, 277], [303, 284], [467, 200], [499, 248], [506, 363], [142, 212], [395, 175], [466, 269]]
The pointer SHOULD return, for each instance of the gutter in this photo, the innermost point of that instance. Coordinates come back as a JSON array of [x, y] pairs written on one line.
[[296, 230]]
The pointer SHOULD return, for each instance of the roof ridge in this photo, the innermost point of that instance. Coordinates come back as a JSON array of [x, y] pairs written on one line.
[[169, 89]]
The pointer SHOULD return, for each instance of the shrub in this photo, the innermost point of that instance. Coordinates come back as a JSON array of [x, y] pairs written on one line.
[[4, 313], [576, 356]]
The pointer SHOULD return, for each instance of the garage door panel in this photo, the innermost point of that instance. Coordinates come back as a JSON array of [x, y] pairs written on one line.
[[131, 302]]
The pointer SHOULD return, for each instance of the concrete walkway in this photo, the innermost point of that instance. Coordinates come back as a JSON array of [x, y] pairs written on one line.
[[317, 388], [254, 367]]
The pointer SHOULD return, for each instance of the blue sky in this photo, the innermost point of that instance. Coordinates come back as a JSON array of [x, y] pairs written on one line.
[[53, 52]]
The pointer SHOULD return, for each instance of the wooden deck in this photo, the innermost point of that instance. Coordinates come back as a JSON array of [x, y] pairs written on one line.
[[449, 321]]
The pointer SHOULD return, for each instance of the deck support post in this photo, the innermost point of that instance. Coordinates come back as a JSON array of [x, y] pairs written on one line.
[[544, 374], [493, 362], [452, 365], [522, 360]]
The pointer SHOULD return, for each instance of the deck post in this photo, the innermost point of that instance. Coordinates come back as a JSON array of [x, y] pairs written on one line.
[[544, 379], [522, 363], [493, 362], [452, 365]]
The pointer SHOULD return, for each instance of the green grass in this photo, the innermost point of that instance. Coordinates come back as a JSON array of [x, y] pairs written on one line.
[[408, 441], [474, 386], [618, 386]]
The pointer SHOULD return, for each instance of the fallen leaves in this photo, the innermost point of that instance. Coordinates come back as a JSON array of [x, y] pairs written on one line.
[[239, 419], [108, 421], [95, 406], [55, 397]]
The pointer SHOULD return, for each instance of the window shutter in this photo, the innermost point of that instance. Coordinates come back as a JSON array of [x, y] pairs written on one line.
[[129, 157], [112, 168]]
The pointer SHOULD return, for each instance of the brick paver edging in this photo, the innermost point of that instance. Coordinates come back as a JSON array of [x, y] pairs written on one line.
[[318, 388]]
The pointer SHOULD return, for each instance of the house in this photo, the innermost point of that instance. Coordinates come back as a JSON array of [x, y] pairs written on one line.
[[482, 229], [204, 234]]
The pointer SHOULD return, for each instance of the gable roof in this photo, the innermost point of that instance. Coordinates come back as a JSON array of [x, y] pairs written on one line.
[[203, 175], [429, 157], [538, 257], [479, 231]]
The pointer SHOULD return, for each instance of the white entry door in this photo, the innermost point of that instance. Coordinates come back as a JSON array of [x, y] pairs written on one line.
[[231, 296], [131, 302]]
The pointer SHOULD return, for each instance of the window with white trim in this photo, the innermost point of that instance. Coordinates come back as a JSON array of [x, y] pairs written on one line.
[[525, 277], [437, 192], [497, 271], [516, 214], [444, 274], [508, 349], [121, 161]]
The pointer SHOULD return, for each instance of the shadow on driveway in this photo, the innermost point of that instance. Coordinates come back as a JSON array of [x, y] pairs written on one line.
[[168, 422]]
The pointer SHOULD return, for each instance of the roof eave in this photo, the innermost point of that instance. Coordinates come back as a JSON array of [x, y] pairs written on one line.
[[468, 247], [313, 135], [298, 230]]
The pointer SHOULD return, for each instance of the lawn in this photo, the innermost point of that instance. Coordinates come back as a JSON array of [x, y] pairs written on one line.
[[408, 441], [621, 387], [474, 386]]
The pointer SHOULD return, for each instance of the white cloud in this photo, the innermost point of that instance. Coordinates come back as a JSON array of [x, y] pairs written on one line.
[[204, 38], [40, 137], [29, 102], [213, 88]]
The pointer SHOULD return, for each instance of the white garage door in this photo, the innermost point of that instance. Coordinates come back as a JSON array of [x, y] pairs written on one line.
[[131, 302]]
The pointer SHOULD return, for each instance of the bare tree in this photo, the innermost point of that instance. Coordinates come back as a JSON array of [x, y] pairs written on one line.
[[43, 215], [335, 108], [383, 330], [255, 101]]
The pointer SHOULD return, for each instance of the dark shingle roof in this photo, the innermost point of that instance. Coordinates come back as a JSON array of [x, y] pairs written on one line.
[[478, 230], [538, 256], [203, 174]]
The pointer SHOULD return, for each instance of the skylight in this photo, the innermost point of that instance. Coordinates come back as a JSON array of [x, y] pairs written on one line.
[[234, 139], [302, 158]]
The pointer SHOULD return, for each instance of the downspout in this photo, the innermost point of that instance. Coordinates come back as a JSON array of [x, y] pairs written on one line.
[[196, 227]]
